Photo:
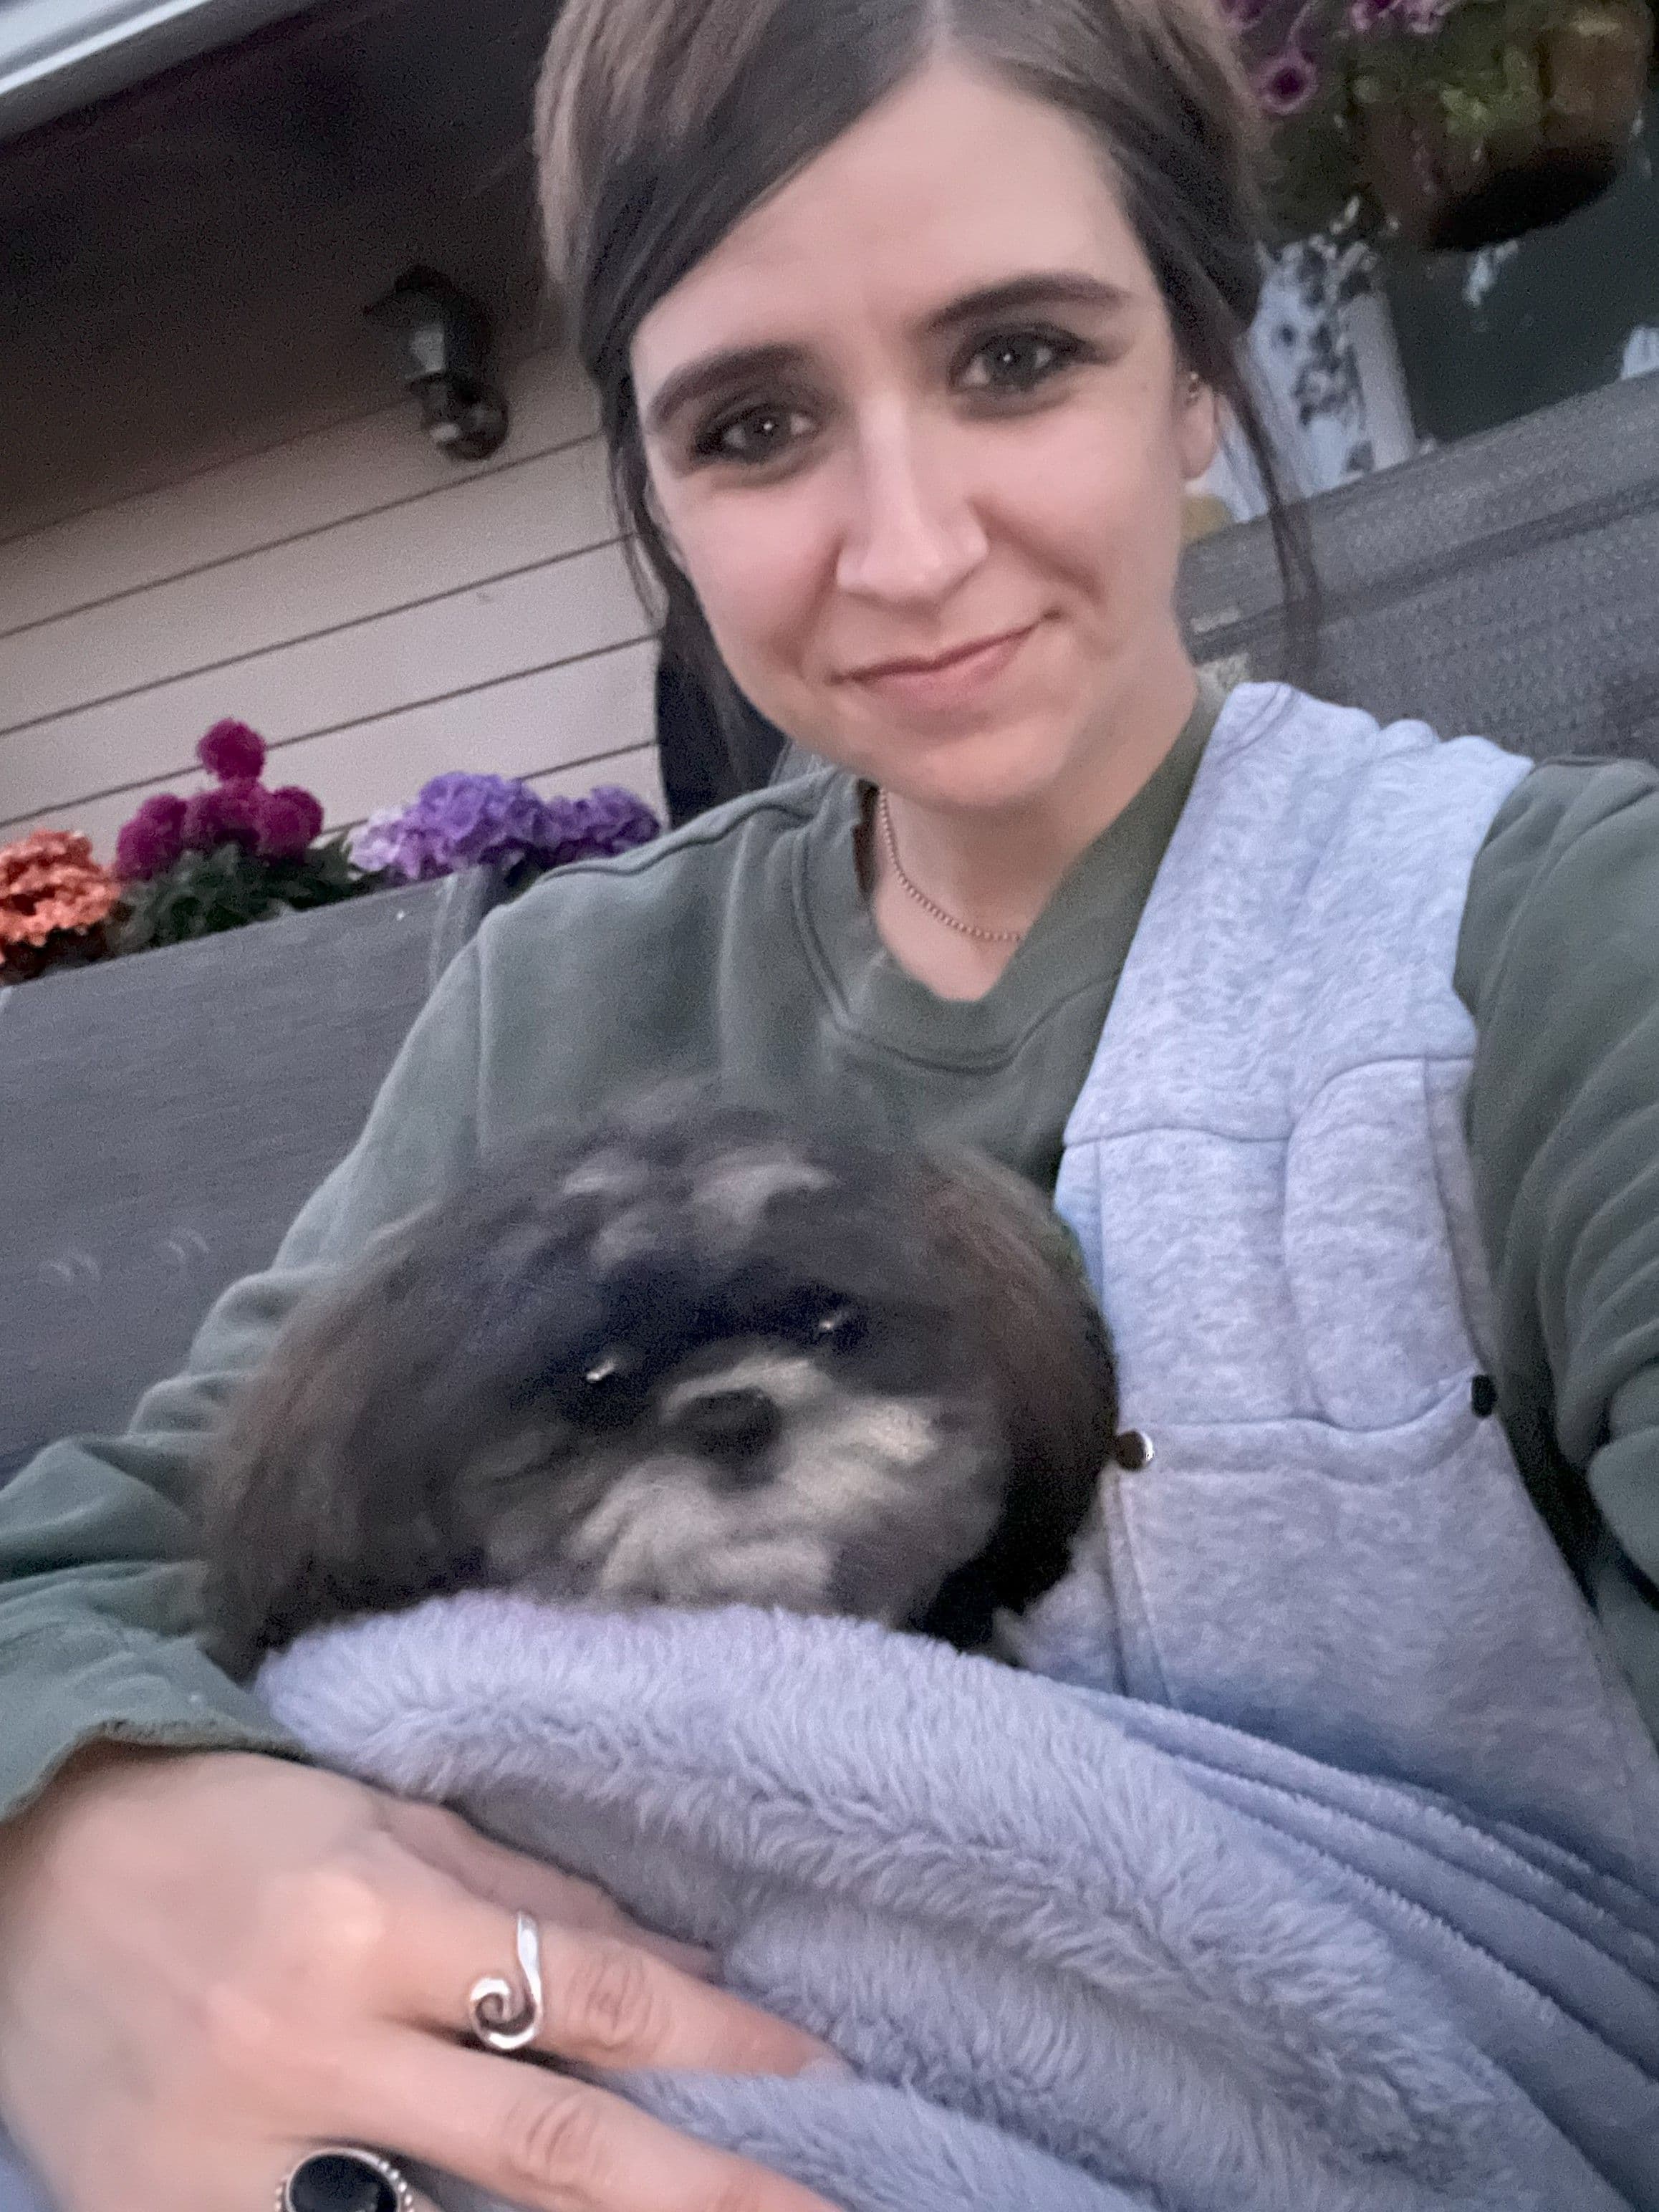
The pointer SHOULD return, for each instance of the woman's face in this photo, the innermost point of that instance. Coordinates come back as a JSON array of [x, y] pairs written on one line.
[[917, 434]]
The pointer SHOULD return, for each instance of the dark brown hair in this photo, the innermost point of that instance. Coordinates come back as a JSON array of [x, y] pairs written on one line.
[[661, 123]]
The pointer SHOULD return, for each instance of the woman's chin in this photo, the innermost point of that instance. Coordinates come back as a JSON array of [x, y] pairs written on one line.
[[989, 771]]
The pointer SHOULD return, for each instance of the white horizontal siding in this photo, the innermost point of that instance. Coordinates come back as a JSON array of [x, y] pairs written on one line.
[[378, 615], [296, 488], [402, 557], [574, 725], [332, 682]]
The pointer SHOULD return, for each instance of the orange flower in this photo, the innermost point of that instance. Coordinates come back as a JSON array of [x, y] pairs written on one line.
[[49, 881]]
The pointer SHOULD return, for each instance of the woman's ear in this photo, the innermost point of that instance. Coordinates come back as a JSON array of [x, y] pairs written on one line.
[[1198, 425]]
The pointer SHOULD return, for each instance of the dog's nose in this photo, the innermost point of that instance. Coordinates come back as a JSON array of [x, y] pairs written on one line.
[[732, 1425]]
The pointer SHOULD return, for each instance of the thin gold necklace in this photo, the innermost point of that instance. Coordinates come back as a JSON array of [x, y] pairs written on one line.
[[932, 906]]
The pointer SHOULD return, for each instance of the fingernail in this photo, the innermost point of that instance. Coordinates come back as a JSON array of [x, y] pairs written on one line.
[[829, 2067]]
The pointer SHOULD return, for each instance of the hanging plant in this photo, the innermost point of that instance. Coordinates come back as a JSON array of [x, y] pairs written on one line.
[[235, 854], [1449, 124]]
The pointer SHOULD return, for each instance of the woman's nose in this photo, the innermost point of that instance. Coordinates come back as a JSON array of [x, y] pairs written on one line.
[[914, 535]]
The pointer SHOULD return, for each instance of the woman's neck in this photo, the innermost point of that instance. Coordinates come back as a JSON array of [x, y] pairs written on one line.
[[994, 871]]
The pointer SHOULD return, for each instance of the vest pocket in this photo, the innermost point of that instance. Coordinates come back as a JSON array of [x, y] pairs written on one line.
[[1372, 1275], [1384, 1600]]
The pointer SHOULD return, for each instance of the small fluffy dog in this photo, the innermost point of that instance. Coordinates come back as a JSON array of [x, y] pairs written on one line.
[[700, 1356]]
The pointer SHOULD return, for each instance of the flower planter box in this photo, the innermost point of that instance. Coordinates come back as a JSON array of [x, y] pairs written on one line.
[[162, 1119]]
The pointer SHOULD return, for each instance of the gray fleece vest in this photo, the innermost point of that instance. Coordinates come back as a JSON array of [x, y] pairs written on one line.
[[1268, 1173]]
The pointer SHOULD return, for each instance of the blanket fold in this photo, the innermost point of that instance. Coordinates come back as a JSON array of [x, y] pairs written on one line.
[[1082, 1952]]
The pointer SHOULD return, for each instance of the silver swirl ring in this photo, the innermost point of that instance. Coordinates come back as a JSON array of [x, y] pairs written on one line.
[[344, 2178], [504, 2017]]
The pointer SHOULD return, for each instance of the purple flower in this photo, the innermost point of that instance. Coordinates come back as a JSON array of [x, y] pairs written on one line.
[[1244, 15], [376, 845], [1287, 83], [462, 820], [289, 820], [232, 753], [152, 840], [228, 816], [1364, 15], [1423, 18], [613, 820]]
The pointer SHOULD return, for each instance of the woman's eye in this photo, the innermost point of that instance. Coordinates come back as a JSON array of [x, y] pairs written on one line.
[[1019, 361], [760, 433]]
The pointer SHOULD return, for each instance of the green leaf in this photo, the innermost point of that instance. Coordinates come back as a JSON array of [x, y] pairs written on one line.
[[203, 894]]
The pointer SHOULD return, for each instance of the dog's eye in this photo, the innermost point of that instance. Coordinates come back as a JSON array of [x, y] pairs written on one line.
[[610, 1389], [840, 1325], [609, 1370]]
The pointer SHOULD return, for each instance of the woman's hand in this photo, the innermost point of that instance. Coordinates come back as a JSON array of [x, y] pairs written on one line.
[[210, 1965]]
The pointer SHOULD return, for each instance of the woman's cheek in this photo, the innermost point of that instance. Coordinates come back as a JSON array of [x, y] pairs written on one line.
[[1138, 498], [744, 560], [1087, 480]]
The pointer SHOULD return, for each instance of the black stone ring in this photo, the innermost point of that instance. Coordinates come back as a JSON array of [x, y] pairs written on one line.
[[341, 2180]]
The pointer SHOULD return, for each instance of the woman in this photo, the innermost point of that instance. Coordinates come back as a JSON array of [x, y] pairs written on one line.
[[911, 324]]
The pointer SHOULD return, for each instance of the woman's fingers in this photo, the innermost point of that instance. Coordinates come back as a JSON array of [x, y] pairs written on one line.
[[607, 2004], [504, 1877], [210, 1962], [542, 2140]]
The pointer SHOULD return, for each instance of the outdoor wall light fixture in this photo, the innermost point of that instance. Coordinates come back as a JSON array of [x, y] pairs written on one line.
[[442, 337]]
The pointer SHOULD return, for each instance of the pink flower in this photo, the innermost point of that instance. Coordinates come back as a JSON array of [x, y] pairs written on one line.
[[152, 840], [1287, 83], [229, 815], [233, 752], [289, 820]]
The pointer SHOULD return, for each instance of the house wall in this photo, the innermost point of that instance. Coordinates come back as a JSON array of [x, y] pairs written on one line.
[[380, 614], [216, 501]]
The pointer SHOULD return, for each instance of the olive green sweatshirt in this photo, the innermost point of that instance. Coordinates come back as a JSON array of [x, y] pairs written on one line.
[[743, 945]]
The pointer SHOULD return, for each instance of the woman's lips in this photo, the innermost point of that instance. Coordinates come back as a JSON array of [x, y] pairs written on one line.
[[953, 679]]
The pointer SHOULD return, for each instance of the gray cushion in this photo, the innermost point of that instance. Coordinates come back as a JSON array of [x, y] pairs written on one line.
[[164, 1118]]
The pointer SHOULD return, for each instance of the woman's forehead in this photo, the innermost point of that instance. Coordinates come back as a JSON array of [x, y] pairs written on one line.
[[953, 184]]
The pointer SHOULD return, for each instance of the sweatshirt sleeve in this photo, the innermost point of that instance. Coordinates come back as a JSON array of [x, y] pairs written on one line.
[[99, 1585], [1558, 964]]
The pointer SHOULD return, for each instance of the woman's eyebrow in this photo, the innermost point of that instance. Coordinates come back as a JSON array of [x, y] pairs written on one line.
[[712, 372], [1043, 287]]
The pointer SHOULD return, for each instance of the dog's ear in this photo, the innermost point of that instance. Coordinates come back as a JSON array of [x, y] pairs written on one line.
[[1045, 1350], [314, 1506], [330, 1487]]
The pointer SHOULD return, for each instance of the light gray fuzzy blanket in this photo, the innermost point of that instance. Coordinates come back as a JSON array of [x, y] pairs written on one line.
[[1084, 1954]]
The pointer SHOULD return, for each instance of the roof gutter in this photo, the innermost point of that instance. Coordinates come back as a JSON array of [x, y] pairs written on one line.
[[57, 55]]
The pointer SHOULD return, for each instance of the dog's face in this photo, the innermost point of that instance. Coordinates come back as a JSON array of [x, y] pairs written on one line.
[[752, 1390], [700, 1357]]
